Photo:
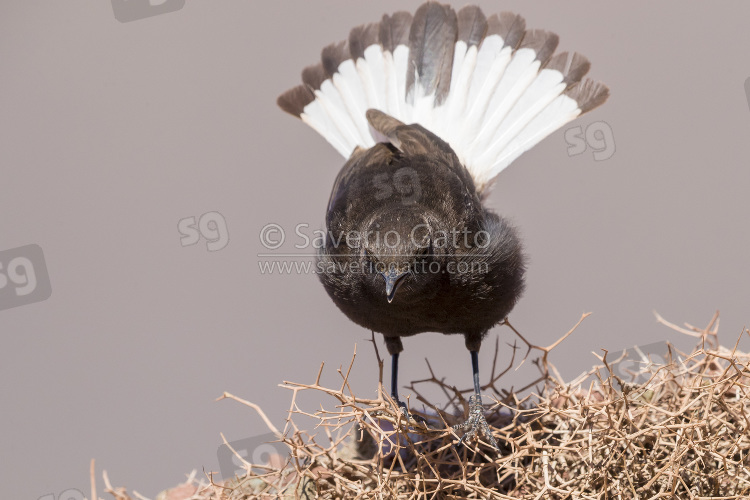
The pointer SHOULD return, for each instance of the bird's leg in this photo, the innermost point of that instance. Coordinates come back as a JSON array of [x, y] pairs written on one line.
[[394, 382], [476, 421], [394, 391], [395, 347]]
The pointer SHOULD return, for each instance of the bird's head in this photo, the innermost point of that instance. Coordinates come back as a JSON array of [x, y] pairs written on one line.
[[398, 255]]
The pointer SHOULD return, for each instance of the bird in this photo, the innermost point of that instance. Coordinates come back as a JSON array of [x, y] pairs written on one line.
[[427, 109]]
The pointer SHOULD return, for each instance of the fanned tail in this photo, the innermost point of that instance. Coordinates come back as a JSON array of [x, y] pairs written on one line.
[[488, 86]]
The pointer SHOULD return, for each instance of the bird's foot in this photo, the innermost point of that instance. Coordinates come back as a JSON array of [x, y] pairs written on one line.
[[409, 417], [476, 422]]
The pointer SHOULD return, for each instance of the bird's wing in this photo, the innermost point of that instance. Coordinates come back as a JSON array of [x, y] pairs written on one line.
[[487, 86], [347, 176], [414, 140]]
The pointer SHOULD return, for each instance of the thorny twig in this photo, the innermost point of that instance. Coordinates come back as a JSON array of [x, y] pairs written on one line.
[[683, 433]]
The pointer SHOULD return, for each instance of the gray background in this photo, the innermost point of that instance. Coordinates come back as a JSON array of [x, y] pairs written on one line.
[[111, 133]]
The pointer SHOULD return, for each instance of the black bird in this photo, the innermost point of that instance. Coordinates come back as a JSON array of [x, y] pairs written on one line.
[[428, 109]]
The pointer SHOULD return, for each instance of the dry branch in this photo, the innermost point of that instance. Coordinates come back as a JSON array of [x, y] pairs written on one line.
[[676, 430]]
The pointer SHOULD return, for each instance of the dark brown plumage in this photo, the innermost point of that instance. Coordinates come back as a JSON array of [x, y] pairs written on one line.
[[472, 25], [431, 43], [411, 248], [464, 284]]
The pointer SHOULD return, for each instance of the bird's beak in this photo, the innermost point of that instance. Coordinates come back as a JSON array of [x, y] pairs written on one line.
[[393, 280]]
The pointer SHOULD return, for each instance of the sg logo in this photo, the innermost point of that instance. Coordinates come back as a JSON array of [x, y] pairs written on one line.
[[598, 136], [23, 277], [405, 182], [71, 494], [639, 363], [258, 450], [211, 226], [132, 10]]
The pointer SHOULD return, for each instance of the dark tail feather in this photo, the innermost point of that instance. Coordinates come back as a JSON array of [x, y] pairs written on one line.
[[394, 30], [511, 28], [333, 55], [294, 100], [411, 81], [542, 42], [314, 76], [472, 25], [588, 94], [431, 45], [362, 37], [573, 67]]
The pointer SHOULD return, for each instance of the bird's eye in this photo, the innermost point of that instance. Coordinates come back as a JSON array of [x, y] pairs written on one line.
[[424, 251], [420, 259]]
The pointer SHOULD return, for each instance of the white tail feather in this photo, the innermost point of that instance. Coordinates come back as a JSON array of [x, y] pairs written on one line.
[[501, 102], [319, 120]]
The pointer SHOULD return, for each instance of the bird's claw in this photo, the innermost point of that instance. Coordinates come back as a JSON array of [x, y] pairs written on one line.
[[475, 423], [409, 416]]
